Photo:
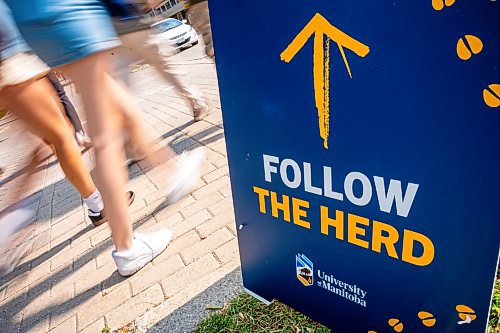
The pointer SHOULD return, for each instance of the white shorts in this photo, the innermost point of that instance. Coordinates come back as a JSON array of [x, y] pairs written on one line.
[[20, 68]]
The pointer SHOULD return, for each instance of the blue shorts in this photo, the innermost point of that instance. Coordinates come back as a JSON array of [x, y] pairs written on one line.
[[63, 31]]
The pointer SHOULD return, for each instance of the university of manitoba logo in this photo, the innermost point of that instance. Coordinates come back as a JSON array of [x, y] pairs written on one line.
[[350, 291], [304, 268]]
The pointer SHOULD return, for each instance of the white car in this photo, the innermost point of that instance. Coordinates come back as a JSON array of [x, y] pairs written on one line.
[[179, 34]]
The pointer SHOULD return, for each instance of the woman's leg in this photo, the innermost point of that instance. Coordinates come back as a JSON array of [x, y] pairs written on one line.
[[36, 104], [91, 76], [142, 143], [110, 112], [177, 178], [156, 54]]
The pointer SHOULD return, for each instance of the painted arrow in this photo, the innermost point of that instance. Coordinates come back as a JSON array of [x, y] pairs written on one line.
[[319, 26]]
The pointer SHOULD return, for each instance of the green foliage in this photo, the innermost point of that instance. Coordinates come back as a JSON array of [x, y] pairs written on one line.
[[494, 324], [245, 314]]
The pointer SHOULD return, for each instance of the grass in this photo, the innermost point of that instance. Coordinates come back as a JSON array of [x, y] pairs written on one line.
[[494, 323], [129, 328], [3, 113], [245, 314]]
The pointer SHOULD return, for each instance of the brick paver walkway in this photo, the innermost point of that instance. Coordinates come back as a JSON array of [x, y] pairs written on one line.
[[68, 282]]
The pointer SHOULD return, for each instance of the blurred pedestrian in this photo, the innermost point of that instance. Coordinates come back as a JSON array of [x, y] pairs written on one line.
[[200, 19], [75, 38], [139, 44], [26, 92]]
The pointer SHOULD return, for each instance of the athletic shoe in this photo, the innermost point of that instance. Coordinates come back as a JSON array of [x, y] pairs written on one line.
[[100, 217], [10, 259], [145, 247], [201, 109], [13, 222], [186, 174]]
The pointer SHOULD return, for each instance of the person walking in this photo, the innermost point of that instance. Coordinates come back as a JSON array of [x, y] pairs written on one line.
[[26, 92], [138, 44], [75, 38]]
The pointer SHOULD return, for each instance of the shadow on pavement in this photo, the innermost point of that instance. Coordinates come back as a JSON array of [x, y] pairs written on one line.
[[13, 315], [16, 304], [185, 318]]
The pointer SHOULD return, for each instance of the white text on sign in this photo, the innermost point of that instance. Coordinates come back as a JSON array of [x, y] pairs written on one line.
[[406, 245]]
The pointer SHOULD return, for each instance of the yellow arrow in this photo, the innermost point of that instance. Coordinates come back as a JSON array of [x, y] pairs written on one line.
[[319, 26]]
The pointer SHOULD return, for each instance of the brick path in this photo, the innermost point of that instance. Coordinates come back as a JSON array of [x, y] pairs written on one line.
[[68, 282]]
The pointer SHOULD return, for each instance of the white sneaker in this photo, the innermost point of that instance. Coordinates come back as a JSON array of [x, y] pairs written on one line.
[[145, 247], [186, 174], [13, 222], [10, 226], [201, 109], [9, 260]]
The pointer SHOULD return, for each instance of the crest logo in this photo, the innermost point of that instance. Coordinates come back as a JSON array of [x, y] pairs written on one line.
[[305, 269]]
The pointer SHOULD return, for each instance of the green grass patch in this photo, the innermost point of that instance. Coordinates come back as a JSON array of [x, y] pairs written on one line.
[[494, 324], [129, 328], [245, 314]]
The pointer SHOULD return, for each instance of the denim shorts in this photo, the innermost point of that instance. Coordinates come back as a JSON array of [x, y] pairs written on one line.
[[63, 31]]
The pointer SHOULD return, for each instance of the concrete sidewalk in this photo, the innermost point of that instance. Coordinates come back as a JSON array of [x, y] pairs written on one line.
[[68, 282]]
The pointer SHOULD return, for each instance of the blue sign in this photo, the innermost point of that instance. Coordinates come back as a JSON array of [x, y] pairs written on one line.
[[364, 149]]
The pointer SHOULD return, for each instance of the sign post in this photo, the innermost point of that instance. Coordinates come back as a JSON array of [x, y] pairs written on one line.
[[364, 150]]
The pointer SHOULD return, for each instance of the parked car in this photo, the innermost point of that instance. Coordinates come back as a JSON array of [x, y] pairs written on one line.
[[178, 34]]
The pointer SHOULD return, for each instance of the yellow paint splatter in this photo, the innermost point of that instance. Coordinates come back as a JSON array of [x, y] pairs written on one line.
[[465, 313], [320, 27], [396, 325], [440, 4], [427, 318], [491, 95], [326, 80], [469, 45]]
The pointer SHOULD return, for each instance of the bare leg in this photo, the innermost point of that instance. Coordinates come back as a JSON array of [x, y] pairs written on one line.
[[91, 76], [36, 104], [140, 44], [134, 127], [110, 111]]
